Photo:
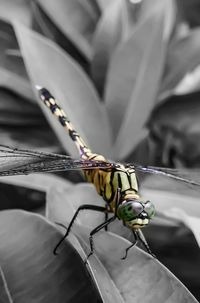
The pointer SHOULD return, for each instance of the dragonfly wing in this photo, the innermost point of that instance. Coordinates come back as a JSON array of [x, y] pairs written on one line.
[[190, 176], [20, 162]]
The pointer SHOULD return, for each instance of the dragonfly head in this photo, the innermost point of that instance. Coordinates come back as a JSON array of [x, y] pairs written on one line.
[[135, 213]]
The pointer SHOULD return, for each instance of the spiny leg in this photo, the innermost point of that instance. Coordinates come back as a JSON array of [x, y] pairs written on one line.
[[82, 207], [106, 218], [133, 244], [138, 234], [142, 239], [96, 230]]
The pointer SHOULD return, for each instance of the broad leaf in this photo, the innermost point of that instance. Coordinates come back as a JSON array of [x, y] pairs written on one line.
[[50, 67], [31, 271], [5, 294], [109, 248]]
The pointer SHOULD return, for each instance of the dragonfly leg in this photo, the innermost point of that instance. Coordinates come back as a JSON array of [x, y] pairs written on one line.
[[82, 207], [106, 218], [142, 239], [117, 202], [96, 230], [133, 244]]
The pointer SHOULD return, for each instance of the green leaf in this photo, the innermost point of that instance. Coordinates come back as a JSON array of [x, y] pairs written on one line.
[[31, 270], [50, 67]]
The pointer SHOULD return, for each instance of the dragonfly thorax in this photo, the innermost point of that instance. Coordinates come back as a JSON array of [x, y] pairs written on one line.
[[134, 212]]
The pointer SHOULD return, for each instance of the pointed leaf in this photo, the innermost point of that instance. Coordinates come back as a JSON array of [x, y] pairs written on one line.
[[18, 10], [107, 37], [169, 6], [183, 57], [69, 84], [131, 96], [77, 20]]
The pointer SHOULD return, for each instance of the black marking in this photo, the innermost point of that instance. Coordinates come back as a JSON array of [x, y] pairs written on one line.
[[73, 134], [111, 185], [129, 178], [62, 120], [45, 93], [119, 180], [92, 157], [53, 107]]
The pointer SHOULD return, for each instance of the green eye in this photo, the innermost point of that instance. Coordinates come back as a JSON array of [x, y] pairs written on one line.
[[150, 209], [130, 210], [136, 208]]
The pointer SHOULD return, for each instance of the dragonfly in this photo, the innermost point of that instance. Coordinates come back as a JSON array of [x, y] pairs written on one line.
[[115, 182]]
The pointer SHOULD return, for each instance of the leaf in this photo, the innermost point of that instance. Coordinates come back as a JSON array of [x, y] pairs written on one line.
[[154, 282], [76, 20], [104, 4], [175, 200], [12, 70], [62, 76], [178, 250], [11, 109], [5, 295], [183, 57], [192, 222], [42, 182], [130, 95], [174, 127], [190, 83], [19, 118], [167, 194], [16, 83], [154, 6], [30, 268], [17, 9], [108, 35]]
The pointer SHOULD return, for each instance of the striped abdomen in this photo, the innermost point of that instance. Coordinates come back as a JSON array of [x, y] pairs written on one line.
[[106, 181]]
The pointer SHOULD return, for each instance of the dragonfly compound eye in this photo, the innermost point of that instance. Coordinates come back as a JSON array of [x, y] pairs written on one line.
[[129, 210], [149, 208]]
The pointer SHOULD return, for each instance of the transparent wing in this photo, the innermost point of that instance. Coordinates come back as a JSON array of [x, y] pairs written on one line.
[[19, 162], [15, 161], [190, 176]]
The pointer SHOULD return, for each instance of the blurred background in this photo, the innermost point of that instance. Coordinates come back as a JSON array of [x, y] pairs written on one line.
[[128, 74]]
